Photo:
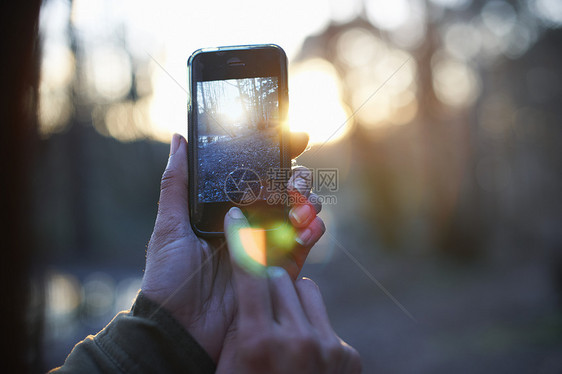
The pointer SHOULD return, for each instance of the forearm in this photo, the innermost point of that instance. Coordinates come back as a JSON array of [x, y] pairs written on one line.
[[146, 339]]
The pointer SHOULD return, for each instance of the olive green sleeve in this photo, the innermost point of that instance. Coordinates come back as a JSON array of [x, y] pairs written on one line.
[[145, 340]]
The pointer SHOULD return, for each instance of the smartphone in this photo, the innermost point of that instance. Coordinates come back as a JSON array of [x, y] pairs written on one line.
[[238, 141]]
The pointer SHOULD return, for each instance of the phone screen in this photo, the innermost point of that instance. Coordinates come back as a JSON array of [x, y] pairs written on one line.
[[238, 139], [237, 125]]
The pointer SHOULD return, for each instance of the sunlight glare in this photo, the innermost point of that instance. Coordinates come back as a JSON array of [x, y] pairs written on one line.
[[233, 111], [315, 104], [344, 11], [168, 111], [178, 30], [388, 15]]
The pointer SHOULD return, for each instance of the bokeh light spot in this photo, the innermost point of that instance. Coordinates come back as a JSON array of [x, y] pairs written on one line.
[[126, 121], [55, 109], [383, 92], [57, 65], [109, 72], [462, 40], [455, 83], [452, 4], [550, 11], [358, 47], [388, 14], [63, 294], [499, 17], [98, 293]]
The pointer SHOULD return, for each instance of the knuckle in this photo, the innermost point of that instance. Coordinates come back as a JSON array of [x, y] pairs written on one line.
[[281, 278], [301, 170], [301, 180], [168, 178], [281, 275], [306, 345], [258, 347], [316, 202], [168, 228], [335, 352], [355, 360], [321, 224]]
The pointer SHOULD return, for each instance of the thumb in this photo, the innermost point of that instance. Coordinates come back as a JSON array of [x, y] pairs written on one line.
[[173, 212], [173, 187]]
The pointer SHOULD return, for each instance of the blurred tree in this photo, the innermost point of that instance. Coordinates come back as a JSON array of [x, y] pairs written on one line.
[[423, 179], [91, 190], [18, 78]]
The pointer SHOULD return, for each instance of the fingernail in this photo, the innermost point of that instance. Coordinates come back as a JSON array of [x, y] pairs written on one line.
[[304, 237], [235, 213], [275, 271], [174, 144], [300, 213]]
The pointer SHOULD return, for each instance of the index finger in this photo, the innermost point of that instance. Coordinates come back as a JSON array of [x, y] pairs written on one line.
[[246, 247]]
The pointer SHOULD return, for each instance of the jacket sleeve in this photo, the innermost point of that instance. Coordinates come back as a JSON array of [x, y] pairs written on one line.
[[145, 340]]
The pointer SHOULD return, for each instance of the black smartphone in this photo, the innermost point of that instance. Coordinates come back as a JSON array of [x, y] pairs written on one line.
[[238, 141]]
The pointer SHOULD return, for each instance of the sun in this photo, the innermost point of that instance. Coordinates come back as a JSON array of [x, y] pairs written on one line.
[[233, 111], [315, 106]]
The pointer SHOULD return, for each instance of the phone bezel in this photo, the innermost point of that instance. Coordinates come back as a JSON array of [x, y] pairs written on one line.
[[263, 60]]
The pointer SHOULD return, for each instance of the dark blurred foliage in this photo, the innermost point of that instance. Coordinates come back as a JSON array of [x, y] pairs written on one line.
[[97, 177]]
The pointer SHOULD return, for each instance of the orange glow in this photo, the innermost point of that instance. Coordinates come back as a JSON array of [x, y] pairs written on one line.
[[315, 103], [253, 243], [382, 87]]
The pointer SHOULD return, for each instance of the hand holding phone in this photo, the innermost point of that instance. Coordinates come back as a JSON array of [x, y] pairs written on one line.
[[191, 277]]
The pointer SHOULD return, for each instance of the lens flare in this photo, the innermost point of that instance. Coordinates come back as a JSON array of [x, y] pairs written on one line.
[[282, 237], [255, 248], [247, 246], [253, 243]]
